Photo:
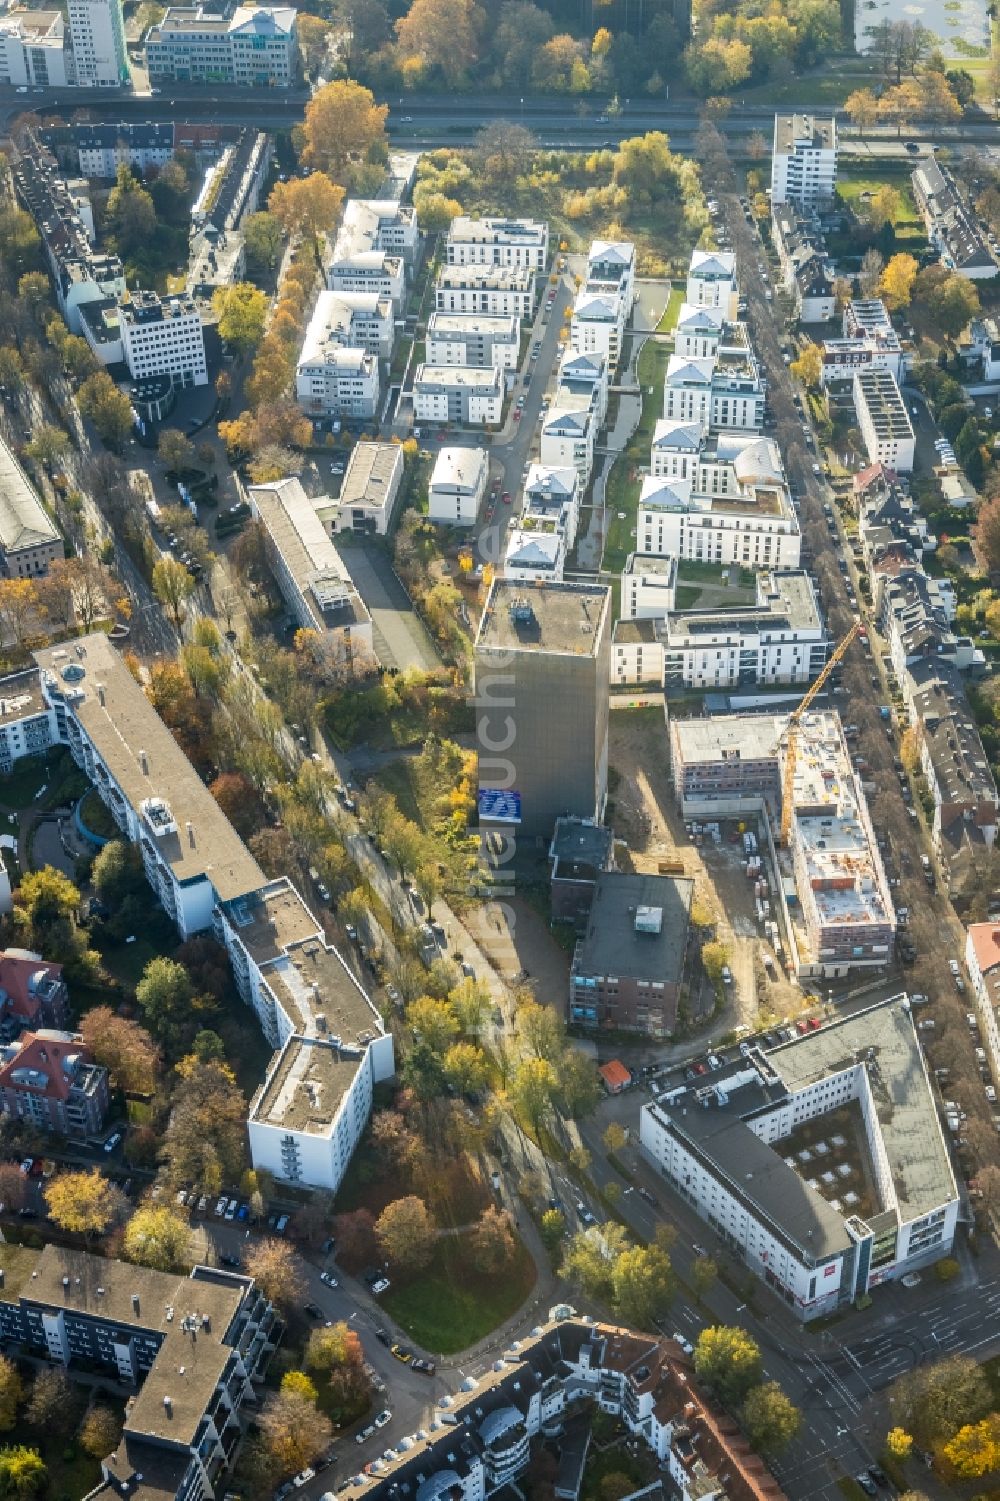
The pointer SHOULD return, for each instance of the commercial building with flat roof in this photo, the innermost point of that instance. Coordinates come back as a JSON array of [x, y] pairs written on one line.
[[826, 1216], [33, 49], [726, 766], [29, 539], [804, 159], [163, 338], [309, 571], [883, 419], [579, 851], [189, 1348], [541, 667], [628, 965], [253, 46], [369, 491]]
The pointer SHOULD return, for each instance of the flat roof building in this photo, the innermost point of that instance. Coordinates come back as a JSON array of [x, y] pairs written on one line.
[[29, 539], [498, 242], [628, 965], [804, 159], [541, 667], [726, 766], [485, 289], [254, 46], [163, 338], [883, 419], [309, 571], [820, 1227], [369, 492], [457, 485], [460, 395]]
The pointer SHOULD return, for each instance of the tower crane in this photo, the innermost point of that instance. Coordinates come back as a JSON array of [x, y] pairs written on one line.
[[792, 732]]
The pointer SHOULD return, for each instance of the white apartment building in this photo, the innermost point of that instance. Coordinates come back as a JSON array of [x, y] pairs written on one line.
[[804, 159], [485, 289], [712, 281], [567, 439], [982, 960], [498, 242], [346, 320], [376, 224], [372, 271], [343, 382], [842, 358], [457, 485], [648, 587], [611, 263], [736, 509], [309, 571], [473, 339], [206, 879], [598, 323], [163, 338], [550, 490], [698, 332], [583, 377], [256, 47], [97, 37], [716, 394], [33, 49], [536, 550], [462, 395], [780, 639], [676, 450], [102, 148], [728, 1148], [883, 419]]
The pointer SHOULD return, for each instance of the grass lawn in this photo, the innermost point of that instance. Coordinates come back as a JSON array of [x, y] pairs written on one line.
[[97, 818], [21, 787], [671, 312], [639, 1468], [910, 233], [457, 1196], [126, 961], [622, 492], [453, 1304], [68, 1479]]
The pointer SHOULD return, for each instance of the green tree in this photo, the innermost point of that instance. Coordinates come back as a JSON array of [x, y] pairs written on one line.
[[100, 1431], [615, 1137], [728, 1360], [590, 1258], [34, 291], [553, 1227], [299, 1383], [156, 1237], [275, 1267], [531, 1090], [541, 1030], [769, 1420], [493, 1240], [53, 1405], [49, 445], [440, 38], [295, 1431], [433, 1022], [704, 1272], [22, 1471], [932, 1402], [205, 1139], [165, 994], [899, 1443], [242, 313], [808, 368], [975, 1449], [109, 409], [407, 1233], [642, 1284], [11, 1392], [173, 586], [466, 1068], [175, 449], [83, 1203], [263, 238], [45, 897], [121, 1046], [19, 239], [131, 213]]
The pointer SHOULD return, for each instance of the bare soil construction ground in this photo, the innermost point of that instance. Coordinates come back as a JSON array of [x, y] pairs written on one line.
[[646, 816]]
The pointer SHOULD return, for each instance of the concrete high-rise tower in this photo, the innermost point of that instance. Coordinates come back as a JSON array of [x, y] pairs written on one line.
[[97, 34], [543, 657]]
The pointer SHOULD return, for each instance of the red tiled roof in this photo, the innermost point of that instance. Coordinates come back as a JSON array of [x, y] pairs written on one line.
[[45, 1052], [985, 938], [615, 1074], [15, 973]]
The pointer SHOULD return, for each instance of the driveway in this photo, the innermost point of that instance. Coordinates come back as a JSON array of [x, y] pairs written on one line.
[[401, 638]]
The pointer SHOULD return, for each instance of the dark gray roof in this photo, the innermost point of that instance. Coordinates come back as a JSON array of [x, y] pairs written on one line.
[[613, 946]]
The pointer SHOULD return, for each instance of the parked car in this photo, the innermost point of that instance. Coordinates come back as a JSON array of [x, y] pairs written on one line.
[[381, 1286], [384, 1418], [329, 1279], [685, 1344], [364, 1433], [426, 1366], [383, 1337], [402, 1353], [866, 1483], [112, 1141]]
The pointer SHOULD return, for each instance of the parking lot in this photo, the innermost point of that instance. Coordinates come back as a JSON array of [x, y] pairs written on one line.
[[400, 636]]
